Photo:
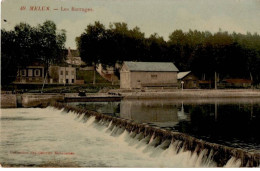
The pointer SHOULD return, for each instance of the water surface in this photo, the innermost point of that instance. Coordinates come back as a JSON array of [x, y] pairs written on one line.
[[230, 121], [52, 138]]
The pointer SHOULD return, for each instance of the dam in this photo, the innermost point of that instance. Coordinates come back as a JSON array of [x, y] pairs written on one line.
[[132, 133]]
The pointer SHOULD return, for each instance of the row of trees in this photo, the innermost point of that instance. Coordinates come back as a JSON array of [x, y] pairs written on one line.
[[230, 55], [26, 44]]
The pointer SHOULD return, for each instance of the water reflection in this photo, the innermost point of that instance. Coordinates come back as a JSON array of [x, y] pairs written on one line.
[[232, 122], [149, 111]]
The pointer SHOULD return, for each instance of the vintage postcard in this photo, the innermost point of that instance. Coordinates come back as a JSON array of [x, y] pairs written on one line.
[[130, 83]]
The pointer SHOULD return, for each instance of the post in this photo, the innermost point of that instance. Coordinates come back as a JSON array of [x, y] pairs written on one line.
[[182, 82], [251, 77], [94, 76], [64, 81], [44, 81], [215, 80]]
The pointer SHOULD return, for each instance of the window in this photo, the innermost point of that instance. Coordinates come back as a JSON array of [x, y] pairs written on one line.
[[72, 80], [67, 72], [37, 72], [61, 72], [154, 76], [67, 81], [30, 72], [23, 72], [72, 72]]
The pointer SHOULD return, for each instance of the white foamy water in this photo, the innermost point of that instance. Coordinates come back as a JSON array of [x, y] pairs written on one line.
[[36, 137]]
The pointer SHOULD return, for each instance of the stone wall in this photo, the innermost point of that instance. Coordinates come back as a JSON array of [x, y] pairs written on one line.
[[33, 100], [8, 101]]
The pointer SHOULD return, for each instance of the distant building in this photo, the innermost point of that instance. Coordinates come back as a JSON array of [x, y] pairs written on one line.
[[73, 58], [30, 75], [235, 83], [136, 75], [189, 80], [108, 72], [62, 74]]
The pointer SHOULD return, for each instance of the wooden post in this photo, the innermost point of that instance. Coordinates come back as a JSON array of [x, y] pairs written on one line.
[[64, 81], [182, 82], [94, 76], [44, 82], [215, 80], [251, 80]]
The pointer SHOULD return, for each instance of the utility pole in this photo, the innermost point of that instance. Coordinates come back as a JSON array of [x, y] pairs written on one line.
[[44, 80]]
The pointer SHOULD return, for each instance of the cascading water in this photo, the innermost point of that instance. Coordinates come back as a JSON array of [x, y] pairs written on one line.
[[95, 140]]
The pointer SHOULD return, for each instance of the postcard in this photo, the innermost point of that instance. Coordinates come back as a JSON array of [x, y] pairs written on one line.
[[130, 83]]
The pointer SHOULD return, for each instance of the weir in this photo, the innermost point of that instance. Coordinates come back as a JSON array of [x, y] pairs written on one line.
[[158, 137]]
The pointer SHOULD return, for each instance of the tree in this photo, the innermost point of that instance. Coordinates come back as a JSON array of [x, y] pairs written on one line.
[[42, 44], [228, 55], [50, 45], [9, 63], [90, 45]]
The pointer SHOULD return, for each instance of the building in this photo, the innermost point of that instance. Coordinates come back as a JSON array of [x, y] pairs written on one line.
[[137, 75], [189, 80], [62, 74], [73, 58], [235, 83], [30, 75], [108, 73]]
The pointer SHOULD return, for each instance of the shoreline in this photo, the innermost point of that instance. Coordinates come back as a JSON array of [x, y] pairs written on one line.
[[188, 93], [36, 99]]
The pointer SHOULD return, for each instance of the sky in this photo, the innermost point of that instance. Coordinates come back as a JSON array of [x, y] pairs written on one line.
[[151, 16]]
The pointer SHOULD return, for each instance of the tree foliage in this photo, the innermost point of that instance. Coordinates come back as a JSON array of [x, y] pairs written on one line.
[[233, 55], [26, 44]]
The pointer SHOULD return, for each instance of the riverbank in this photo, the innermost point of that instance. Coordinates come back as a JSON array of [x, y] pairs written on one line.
[[188, 93], [36, 99]]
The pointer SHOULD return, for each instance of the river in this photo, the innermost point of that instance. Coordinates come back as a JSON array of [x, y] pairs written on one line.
[[48, 137]]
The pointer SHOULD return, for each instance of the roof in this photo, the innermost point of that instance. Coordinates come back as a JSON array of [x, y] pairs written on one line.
[[151, 66], [72, 53], [181, 75], [234, 81]]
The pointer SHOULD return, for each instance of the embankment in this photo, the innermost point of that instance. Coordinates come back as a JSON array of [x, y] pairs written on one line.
[[29, 100], [34, 99], [8, 101], [184, 94]]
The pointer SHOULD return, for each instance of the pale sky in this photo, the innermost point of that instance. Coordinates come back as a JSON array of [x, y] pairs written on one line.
[[152, 16]]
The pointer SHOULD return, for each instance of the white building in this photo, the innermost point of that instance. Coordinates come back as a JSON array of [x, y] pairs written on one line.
[[63, 74], [136, 75]]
